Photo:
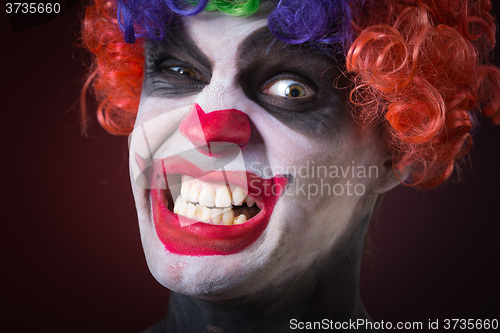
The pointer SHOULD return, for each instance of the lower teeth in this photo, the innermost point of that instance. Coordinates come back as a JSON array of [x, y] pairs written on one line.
[[217, 216]]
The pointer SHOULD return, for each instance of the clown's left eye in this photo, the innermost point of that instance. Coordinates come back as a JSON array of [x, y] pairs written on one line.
[[288, 89]]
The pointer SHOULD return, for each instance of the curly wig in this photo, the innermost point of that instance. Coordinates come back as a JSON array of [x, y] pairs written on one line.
[[419, 68]]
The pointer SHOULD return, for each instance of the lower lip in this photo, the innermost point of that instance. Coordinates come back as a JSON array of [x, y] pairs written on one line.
[[202, 239]]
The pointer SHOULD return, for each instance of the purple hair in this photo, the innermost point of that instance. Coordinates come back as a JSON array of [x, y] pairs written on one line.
[[152, 16], [317, 22]]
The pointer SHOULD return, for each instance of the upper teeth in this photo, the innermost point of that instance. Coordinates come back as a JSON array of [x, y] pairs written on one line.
[[222, 196], [210, 202]]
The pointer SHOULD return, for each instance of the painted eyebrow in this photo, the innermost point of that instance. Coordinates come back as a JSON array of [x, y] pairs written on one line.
[[180, 40], [262, 43], [253, 44]]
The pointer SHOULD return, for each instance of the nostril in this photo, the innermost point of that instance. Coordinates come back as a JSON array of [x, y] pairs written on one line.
[[221, 126]]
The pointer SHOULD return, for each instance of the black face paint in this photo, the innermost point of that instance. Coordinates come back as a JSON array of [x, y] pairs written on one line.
[[175, 67], [263, 60]]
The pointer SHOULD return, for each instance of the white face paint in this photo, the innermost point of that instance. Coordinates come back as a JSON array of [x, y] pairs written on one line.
[[300, 127]]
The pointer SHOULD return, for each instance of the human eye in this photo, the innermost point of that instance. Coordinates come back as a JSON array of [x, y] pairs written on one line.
[[184, 71], [287, 88], [288, 91], [179, 69], [175, 78]]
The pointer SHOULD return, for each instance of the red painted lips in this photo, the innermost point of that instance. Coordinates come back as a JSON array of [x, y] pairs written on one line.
[[201, 239]]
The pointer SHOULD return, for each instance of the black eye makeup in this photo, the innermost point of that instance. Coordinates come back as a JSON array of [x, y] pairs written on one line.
[[290, 87], [292, 83], [295, 84], [185, 71], [287, 90], [175, 67], [172, 77]]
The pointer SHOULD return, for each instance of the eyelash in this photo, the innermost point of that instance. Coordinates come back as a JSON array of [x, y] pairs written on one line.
[[287, 88], [183, 70]]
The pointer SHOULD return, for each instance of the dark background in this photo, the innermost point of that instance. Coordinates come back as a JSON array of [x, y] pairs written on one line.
[[72, 258]]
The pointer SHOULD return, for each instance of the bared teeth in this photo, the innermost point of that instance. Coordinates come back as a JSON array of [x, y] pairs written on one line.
[[207, 195], [249, 201], [227, 216], [216, 215], [223, 197], [176, 204], [203, 213], [191, 211], [185, 187], [211, 202], [183, 208], [185, 191], [194, 194], [238, 196], [240, 219]]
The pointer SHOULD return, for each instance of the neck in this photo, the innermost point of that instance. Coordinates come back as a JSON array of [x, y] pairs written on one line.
[[326, 293]]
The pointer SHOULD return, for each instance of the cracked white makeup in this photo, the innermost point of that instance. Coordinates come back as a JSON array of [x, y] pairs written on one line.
[[236, 241]]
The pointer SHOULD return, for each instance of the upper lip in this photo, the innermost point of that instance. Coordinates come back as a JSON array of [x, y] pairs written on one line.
[[153, 174]]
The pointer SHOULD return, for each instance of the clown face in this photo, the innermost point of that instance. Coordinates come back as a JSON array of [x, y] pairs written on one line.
[[246, 165]]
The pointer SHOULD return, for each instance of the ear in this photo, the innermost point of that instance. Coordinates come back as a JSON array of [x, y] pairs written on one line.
[[389, 177]]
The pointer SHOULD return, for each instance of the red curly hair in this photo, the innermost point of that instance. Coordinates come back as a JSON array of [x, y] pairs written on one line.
[[117, 72], [419, 73], [417, 66]]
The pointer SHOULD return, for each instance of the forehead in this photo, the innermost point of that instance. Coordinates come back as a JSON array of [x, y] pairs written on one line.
[[215, 33], [210, 24], [215, 38]]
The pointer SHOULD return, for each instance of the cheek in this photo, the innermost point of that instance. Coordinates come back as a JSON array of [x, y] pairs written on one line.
[[157, 123], [328, 181], [165, 110], [324, 136], [306, 157]]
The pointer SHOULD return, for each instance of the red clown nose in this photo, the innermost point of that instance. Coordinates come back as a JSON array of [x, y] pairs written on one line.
[[216, 133]]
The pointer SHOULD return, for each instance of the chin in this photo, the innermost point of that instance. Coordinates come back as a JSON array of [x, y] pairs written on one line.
[[279, 253]]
